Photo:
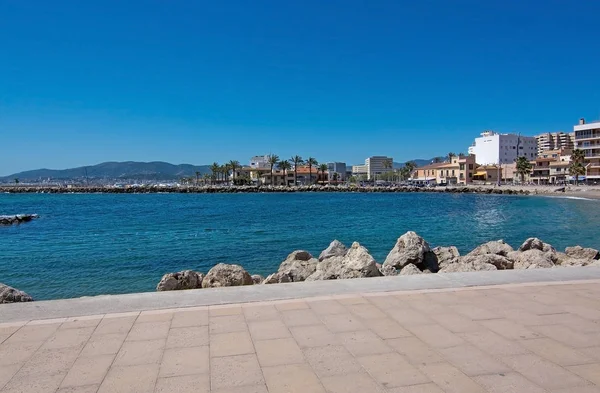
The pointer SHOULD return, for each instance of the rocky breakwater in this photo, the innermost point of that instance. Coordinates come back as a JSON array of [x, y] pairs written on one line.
[[17, 219], [12, 295], [410, 255]]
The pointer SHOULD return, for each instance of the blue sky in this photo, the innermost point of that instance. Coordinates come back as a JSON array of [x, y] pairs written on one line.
[[83, 82]]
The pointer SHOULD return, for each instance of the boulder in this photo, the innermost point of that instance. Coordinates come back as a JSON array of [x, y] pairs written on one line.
[[257, 278], [579, 252], [467, 264], [12, 295], [298, 265], [439, 257], [277, 278], [335, 249], [355, 264], [563, 259], [387, 270], [409, 248], [409, 270], [186, 279], [532, 259], [225, 275], [498, 247], [501, 263], [533, 243]]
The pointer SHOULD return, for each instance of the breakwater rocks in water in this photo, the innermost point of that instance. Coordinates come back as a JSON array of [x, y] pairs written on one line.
[[410, 255], [17, 219], [12, 295], [255, 189]]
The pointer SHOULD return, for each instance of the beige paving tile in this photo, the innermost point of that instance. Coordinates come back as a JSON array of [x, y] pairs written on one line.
[[268, 330], [187, 336], [509, 329], [18, 352], [579, 389], [590, 372], [331, 360], [49, 362], [385, 302], [436, 336], [219, 311], [493, 343], [243, 389], [556, 352], [32, 333], [473, 312], [409, 317], [455, 322], [291, 305], [401, 373], [278, 352], [235, 371], [361, 382], [511, 382], [450, 379], [47, 321], [589, 313], [69, 338], [148, 331], [130, 379], [227, 324], [314, 336], [7, 372], [338, 323], [574, 322], [366, 311], [300, 317], [292, 378], [114, 325], [189, 318], [184, 361], [420, 388], [364, 342], [230, 344], [79, 389], [263, 312], [106, 344], [593, 351], [386, 328], [327, 307], [81, 322], [473, 361], [542, 372], [88, 371], [140, 352], [350, 299], [39, 384], [568, 336], [415, 351], [199, 383], [155, 316]]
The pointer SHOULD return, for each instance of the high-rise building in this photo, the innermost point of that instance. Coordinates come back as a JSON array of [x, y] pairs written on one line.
[[493, 148], [260, 162], [555, 141], [336, 167], [377, 165], [587, 138]]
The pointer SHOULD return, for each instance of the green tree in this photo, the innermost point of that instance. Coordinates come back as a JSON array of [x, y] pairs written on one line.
[[273, 159], [451, 156], [16, 180], [214, 168], [523, 167], [437, 160], [311, 162], [206, 178], [297, 161], [233, 164], [197, 177], [323, 168], [284, 166], [577, 164]]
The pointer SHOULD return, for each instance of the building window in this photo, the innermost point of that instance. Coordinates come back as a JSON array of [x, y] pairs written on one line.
[[470, 166]]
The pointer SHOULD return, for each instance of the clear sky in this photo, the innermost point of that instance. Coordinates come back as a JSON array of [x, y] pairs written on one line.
[[83, 82]]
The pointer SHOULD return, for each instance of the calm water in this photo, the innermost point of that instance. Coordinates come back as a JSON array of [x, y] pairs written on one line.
[[89, 244]]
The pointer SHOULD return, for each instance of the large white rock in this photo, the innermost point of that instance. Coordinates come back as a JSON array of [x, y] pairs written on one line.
[[335, 249], [186, 279], [498, 247], [532, 259], [12, 295], [298, 265], [410, 270], [409, 248], [440, 257], [355, 264], [225, 275], [467, 264], [277, 278], [579, 252]]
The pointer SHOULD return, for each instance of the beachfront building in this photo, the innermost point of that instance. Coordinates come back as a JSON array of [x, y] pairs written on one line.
[[559, 171], [360, 171], [540, 171], [492, 148], [374, 166], [336, 171], [459, 171], [260, 162], [587, 138], [554, 141]]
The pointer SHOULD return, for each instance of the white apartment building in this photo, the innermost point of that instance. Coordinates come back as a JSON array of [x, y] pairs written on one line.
[[587, 138], [260, 162], [493, 148], [555, 141]]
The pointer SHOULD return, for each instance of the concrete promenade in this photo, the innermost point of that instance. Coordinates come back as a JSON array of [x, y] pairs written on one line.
[[504, 331]]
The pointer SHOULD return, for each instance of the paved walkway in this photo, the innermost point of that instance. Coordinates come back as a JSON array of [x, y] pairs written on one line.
[[542, 337]]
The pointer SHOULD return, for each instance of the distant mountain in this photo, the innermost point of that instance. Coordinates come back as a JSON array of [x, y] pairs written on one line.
[[129, 170], [420, 162]]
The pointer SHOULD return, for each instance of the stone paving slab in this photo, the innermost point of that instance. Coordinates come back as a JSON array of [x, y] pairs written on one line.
[[529, 337], [136, 302]]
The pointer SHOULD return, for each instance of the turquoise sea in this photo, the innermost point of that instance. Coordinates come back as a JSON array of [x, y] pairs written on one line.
[[90, 244]]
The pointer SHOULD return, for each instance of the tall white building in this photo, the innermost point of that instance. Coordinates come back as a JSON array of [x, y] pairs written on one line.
[[260, 162], [555, 141], [493, 148]]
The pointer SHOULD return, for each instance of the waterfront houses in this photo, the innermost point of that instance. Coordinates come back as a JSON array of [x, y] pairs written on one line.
[[460, 170], [493, 148], [587, 139]]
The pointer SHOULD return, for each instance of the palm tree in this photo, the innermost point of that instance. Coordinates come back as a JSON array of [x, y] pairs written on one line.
[[197, 177], [205, 178], [577, 169], [437, 160], [323, 168], [296, 160], [16, 180], [233, 164], [451, 156], [336, 177], [273, 159], [284, 166], [523, 167], [214, 168], [311, 162]]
